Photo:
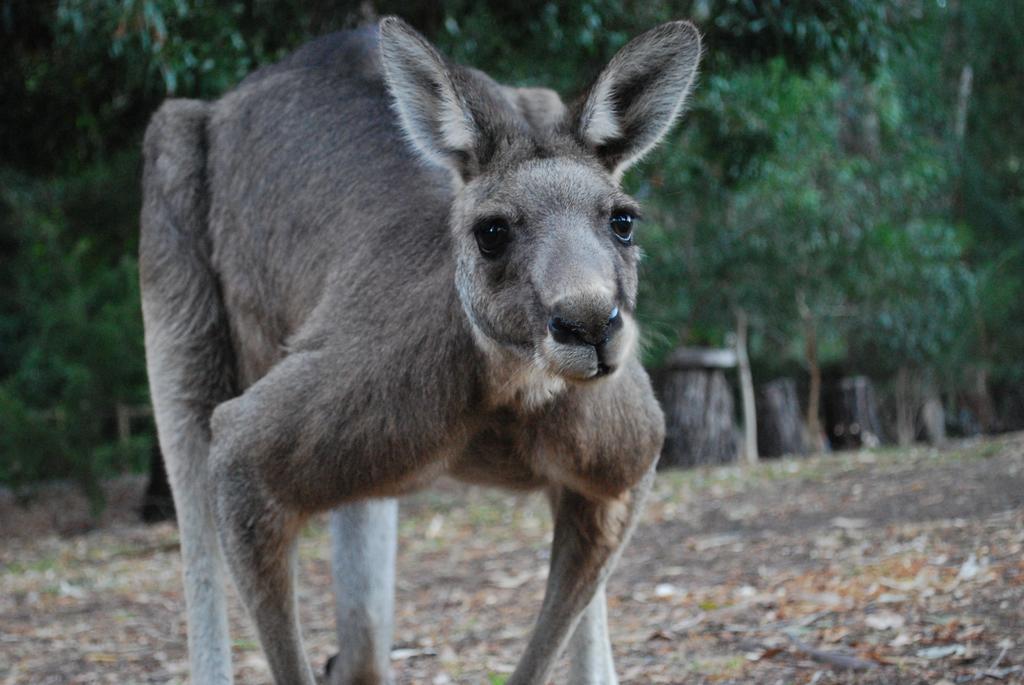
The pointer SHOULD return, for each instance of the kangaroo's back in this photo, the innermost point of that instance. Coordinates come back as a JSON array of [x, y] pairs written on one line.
[[314, 190], [315, 202]]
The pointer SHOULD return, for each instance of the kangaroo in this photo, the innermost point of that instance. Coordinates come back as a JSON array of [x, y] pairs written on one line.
[[365, 267]]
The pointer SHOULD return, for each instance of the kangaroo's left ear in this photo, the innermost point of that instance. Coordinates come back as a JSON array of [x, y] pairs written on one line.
[[638, 96]]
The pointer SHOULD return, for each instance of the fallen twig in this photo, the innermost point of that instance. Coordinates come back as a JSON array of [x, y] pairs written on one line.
[[835, 659], [999, 659], [993, 673]]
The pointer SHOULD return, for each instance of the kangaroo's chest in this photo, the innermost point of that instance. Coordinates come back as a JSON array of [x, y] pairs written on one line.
[[508, 453]]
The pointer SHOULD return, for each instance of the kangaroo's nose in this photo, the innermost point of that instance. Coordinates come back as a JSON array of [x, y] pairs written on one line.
[[584, 328]]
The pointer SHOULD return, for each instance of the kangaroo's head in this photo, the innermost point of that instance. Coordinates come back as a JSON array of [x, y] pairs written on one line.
[[544, 237]]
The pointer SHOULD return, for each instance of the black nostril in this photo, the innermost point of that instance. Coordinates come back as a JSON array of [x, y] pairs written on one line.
[[571, 332], [565, 331]]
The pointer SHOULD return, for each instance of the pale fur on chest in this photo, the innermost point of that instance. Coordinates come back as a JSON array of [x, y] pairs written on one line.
[[516, 382]]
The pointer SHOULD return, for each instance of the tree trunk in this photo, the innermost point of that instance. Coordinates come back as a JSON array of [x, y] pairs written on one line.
[[815, 437], [780, 429], [979, 399], [746, 390], [699, 425], [906, 407], [963, 99], [933, 420], [852, 413], [1009, 399]]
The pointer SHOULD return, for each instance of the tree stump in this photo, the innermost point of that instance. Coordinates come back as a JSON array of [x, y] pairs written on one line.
[[1009, 398], [912, 408], [780, 428], [851, 414], [698, 404], [933, 421], [978, 399]]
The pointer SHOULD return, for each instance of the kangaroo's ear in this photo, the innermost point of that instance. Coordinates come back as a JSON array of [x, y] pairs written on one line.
[[431, 109], [638, 96]]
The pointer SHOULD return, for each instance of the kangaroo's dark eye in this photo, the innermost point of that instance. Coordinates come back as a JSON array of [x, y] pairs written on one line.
[[492, 236], [622, 226]]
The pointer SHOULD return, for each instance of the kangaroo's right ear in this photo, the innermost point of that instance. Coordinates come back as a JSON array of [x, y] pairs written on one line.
[[431, 109]]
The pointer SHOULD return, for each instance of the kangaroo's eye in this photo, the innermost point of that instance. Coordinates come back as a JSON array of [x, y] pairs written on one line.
[[492, 236], [622, 223]]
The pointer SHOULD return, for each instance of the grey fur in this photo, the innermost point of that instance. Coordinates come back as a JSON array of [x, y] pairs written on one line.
[[364, 537], [321, 327], [590, 650]]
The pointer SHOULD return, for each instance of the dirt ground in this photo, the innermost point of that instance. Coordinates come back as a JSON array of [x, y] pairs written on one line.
[[873, 567]]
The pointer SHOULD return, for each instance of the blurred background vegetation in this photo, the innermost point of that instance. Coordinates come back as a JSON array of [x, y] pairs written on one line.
[[848, 179]]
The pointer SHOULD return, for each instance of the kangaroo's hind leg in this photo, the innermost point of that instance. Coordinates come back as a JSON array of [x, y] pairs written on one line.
[[189, 360], [590, 649], [259, 539], [364, 538], [589, 536]]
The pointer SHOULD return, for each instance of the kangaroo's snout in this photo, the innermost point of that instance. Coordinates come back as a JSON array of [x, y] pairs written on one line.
[[594, 327], [585, 337]]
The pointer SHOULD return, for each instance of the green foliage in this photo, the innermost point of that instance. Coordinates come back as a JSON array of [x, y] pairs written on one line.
[[919, 293], [88, 73], [553, 44], [70, 341], [991, 199], [790, 221]]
